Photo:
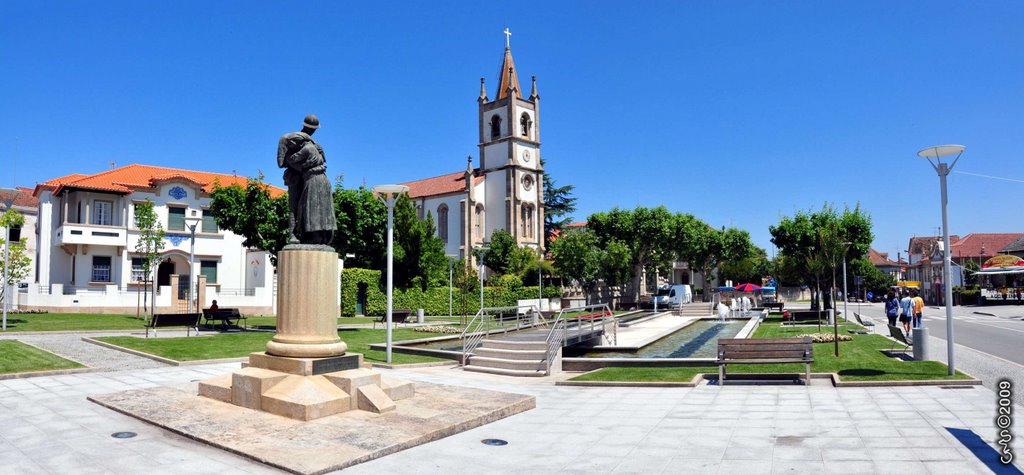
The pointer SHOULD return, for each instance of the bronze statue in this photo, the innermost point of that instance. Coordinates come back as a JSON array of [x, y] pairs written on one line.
[[310, 202]]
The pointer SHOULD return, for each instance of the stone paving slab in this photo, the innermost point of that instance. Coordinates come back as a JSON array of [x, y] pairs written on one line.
[[326, 444]]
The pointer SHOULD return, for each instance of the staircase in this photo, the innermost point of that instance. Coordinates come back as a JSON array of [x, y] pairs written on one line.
[[510, 358], [699, 309]]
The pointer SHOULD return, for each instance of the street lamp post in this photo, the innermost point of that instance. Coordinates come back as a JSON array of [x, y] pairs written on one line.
[[846, 296], [191, 222], [451, 259], [943, 169], [389, 195]]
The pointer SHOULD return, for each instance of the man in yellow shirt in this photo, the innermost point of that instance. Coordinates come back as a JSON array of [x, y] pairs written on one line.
[[918, 309]]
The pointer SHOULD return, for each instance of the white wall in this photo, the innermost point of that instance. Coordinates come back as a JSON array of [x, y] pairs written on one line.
[[454, 218]]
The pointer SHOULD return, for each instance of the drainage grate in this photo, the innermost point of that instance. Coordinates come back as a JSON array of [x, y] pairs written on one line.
[[957, 387], [123, 435], [495, 442]]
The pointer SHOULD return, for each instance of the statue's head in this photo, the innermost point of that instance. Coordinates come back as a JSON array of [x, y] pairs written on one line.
[[310, 124]]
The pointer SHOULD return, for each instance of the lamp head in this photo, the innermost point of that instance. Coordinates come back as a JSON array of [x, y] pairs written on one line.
[[939, 151], [390, 189]]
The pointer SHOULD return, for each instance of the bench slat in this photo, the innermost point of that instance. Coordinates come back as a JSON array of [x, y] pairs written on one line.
[[763, 354], [758, 341], [775, 346], [768, 361]]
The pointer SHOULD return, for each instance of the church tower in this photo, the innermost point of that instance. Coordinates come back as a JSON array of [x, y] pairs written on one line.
[[510, 157]]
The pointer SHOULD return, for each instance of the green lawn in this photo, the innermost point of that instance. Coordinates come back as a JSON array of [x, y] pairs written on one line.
[[17, 357], [234, 345], [859, 360], [38, 322]]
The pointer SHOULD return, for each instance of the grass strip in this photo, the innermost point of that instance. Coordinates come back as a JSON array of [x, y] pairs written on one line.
[[237, 345], [17, 357]]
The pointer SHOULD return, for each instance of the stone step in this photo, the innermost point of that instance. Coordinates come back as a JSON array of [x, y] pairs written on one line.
[[515, 345], [535, 355], [505, 372], [530, 365]]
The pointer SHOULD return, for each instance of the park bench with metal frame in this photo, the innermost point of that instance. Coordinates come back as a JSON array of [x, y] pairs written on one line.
[[765, 351], [224, 316], [187, 320], [398, 315]]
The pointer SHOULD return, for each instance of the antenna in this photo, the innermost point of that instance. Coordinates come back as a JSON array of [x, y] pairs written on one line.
[[112, 164]]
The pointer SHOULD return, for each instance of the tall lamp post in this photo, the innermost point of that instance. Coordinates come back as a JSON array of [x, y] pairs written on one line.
[[389, 195], [846, 297], [192, 222], [943, 169], [451, 260]]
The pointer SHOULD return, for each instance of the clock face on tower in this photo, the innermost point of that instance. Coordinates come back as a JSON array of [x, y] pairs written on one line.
[[526, 156]]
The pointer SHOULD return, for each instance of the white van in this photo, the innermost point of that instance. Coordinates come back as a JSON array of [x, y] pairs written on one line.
[[672, 295]]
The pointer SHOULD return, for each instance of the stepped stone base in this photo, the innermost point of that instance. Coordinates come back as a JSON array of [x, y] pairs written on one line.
[[306, 388], [325, 444]]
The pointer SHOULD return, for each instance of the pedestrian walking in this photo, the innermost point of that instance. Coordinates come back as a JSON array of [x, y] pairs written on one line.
[[892, 308], [906, 311], [918, 309]]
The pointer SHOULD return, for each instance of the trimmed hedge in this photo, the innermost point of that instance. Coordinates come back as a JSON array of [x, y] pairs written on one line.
[[433, 301]]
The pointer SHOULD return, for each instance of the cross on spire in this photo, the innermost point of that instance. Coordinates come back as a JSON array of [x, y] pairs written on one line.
[[508, 37]]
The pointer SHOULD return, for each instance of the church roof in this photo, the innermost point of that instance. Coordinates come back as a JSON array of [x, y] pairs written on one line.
[[440, 185], [504, 78], [128, 178]]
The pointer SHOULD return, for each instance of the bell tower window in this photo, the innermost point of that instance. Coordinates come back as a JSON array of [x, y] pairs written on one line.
[[495, 126], [525, 124]]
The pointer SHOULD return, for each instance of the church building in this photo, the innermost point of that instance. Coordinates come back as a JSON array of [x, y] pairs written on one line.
[[505, 189]]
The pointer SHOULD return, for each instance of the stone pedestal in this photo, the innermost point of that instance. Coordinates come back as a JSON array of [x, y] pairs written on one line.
[[307, 314], [305, 373]]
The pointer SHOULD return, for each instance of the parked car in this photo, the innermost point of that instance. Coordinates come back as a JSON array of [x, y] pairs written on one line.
[[672, 295]]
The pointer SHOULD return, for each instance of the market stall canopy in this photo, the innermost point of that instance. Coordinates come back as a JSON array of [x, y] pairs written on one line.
[[1002, 264], [748, 288]]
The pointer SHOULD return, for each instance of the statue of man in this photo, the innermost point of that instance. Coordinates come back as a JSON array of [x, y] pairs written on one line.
[[310, 202]]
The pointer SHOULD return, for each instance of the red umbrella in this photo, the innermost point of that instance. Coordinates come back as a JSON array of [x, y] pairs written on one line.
[[748, 288]]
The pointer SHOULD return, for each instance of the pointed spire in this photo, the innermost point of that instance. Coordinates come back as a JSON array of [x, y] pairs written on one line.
[[469, 165], [508, 80], [533, 90], [469, 176], [483, 92]]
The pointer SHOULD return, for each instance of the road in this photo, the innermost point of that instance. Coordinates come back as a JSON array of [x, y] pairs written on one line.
[[996, 330]]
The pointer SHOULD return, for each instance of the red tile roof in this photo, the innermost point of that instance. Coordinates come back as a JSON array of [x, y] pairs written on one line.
[[132, 177], [923, 245], [972, 244], [440, 185], [880, 259], [20, 197]]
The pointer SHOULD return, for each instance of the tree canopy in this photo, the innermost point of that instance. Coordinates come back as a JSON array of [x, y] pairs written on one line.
[[559, 204]]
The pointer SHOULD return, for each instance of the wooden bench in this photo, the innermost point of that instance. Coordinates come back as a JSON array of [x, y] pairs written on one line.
[[187, 320], [398, 315], [225, 317], [765, 351]]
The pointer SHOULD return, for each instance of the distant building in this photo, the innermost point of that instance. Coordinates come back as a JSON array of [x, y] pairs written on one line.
[[925, 256], [881, 261], [86, 259], [1015, 248], [23, 202]]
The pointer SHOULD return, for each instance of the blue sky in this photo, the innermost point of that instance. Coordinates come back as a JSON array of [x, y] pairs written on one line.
[[737, 112]]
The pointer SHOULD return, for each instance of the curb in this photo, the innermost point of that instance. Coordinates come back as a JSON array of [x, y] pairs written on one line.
[[54, 372], [833, 377]]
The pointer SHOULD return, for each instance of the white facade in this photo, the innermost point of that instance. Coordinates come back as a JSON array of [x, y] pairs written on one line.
[[88, 259]]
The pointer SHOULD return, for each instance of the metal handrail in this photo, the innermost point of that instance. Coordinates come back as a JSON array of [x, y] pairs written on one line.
[[561, 330], [479, 327]]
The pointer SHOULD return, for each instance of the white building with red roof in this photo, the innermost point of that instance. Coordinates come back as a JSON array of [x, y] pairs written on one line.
[[22, 201], [506, 189], [86, 259]]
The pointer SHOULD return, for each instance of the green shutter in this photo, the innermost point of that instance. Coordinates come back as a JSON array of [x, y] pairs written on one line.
[[209, 269], [176, 219], [209, 222]]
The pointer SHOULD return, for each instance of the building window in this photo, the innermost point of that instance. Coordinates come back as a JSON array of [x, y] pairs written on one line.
[[526, 216], [463, 217], [100, 269], [101, 212], [209, 222], [524, 124], [495, 126], [442, 223], [478, 222], [15, 233], [138, 273], [175, 219], [209, 269]]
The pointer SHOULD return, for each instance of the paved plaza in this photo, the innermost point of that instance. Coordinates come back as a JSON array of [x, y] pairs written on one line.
[[47, 426]]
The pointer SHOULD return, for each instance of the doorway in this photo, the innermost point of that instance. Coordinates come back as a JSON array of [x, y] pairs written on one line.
[[163, 273], [361, 298]]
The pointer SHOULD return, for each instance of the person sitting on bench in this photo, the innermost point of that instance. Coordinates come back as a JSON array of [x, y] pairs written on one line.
[[214, 308]]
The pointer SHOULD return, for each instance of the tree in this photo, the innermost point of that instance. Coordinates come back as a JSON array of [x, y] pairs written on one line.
[[18, 261], [577, 257], [872, 279], [646, 232], [708, 247], [559, 204], [252, 213], [362, 226], [150, 241], [748, 269], [970, 278]]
